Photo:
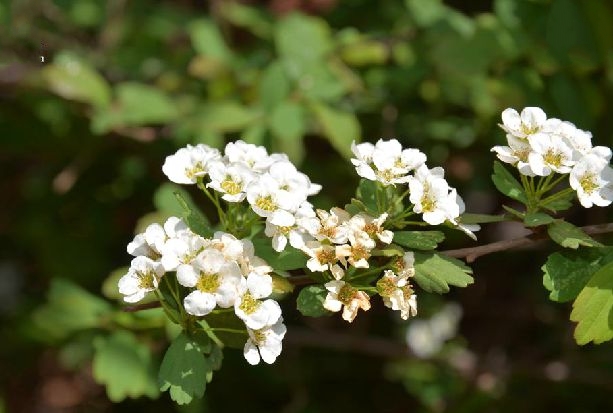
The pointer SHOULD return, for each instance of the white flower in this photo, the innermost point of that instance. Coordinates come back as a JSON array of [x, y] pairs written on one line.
[[265, 342], [592, 178], [249, 307], [265, 196], [386, 161], [297, 184], [233, 249], [362, 223], [531, 120], [182, 249], [252, 156], [397, 293], [230, 180], [142, 277], [429, 193], [426, 337], [550, 153], [324, 257], [357, 254], [215, 280], [342, 295], [331, 226], [283, 226], [579, 140], [515, 154], [189, 163]]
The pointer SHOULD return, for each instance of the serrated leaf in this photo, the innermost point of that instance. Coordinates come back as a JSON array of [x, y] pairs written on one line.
[[124, 366], [419, 240], [288, 259], [184, 370], [69, 308], [567, 272], [340, 128], [570, 236], [507, 184], [535, 219], [592, 309], [435, 272], [366, 195], [310, 301]]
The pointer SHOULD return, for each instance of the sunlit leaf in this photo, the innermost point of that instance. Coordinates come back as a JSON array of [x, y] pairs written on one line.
[[570, 236], [310, 301], [593, 308], [124, 366], [341, 128], [419, 240], [507, 184], [435, 272]]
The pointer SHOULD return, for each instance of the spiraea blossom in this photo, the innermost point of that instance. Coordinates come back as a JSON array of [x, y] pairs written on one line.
[[538, 146], [397, 293], [386, 161], [189, 163], [265, 343], [431, 195], [251, 305], [343, 296], [142, 277]]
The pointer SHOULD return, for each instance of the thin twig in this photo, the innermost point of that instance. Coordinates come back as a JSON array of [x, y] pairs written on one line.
[[472, 253]]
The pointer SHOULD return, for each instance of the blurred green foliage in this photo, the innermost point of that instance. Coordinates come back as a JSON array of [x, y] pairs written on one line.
[[94, 94]]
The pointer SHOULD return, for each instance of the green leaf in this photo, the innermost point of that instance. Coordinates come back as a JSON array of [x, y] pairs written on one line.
[[340, 128], [184, 370], [194, 219], [559, 204], [310, 301], [288, 259], [366, 194], [173, 200], [226, 320], [137, 104], [469, 219], [567, 272], [593, 308], [302, 42], [419, 240], [274, 85], [227, 116], [507, 184], [124, 366], [288, 125], [208, 41], [69, 308], [256, 20], [535, 219], [570, 236], [72, 78], [435, 272]]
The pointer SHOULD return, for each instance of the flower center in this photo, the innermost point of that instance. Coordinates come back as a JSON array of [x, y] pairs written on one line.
[[230, 186], [326, 256], [386, 286], [553, 158], [371, 229], [208, 283], [259, 337], [195, 170], [266, 203], [588, 182], [359, 251], [346, 294], [146, 280], [249, 305], [386, 175]]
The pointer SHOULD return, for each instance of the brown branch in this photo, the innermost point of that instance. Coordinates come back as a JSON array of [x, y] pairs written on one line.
[[472, 253]]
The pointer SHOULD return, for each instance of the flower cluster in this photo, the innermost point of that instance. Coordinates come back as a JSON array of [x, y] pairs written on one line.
[[220, 272], [395, 289], [539, 146], [271, 184], [430, 193]]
